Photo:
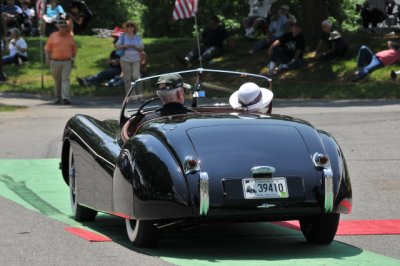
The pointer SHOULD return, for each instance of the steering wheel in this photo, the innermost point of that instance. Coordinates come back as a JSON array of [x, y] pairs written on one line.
[[139, 115], [139, 111]]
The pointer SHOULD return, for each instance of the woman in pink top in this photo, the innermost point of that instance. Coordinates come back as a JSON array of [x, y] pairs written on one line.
[[368, 61]]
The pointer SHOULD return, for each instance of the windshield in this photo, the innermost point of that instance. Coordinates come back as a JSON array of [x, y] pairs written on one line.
[[208, 88]]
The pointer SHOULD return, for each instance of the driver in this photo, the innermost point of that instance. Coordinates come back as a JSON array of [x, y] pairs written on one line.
[[171, 90], [250, 97]]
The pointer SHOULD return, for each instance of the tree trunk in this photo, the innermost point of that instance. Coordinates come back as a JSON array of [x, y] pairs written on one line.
[[314, 12]]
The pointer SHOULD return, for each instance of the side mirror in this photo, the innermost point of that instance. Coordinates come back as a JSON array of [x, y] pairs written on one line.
[[199, 94], [196, 91]]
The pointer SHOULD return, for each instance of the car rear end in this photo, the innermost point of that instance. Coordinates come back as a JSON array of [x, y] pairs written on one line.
[[258, 168]]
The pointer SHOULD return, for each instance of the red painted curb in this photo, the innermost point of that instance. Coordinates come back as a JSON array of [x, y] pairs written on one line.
[[358, 227], [87, 235]]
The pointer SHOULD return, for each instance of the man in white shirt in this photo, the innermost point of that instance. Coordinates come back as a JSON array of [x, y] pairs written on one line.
[[18, 49]]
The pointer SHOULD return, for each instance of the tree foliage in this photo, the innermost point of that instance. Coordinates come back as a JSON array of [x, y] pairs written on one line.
[[107, 13], [111, 13], [155, 16]]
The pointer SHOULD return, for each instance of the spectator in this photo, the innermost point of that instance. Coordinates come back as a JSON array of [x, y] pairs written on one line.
[[60, 51], [372, 12], [171, 90], [331, 43], [54, 11], [114, 69], [211, 45], [277, 27], [77, 17], [283, 21], [28, 17], [287, 52], [131, 44], [367, 61], [10, 16], [257, 16], [250, 97], [18, 49], [118, 80]]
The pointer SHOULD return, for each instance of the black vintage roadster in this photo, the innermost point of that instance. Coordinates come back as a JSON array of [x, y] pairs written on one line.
[[213, 164]]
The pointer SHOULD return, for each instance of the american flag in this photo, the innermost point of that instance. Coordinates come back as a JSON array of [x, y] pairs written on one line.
[[40, 7], [184, 9]]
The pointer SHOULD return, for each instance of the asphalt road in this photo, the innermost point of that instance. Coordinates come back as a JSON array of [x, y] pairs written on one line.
[[368, 132]]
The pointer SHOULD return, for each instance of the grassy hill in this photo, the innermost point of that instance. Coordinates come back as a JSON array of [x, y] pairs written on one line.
[[330, 80]]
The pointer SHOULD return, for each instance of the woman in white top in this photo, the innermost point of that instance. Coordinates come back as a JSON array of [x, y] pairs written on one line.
[[130, 45], [251, 98], [18, 49]]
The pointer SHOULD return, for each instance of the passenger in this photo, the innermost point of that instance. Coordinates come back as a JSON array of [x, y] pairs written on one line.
[[250, 97], [171, 90]]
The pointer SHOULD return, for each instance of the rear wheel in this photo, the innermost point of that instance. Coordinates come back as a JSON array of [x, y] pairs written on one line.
[[320, 229], [141, 233], [80, 213]]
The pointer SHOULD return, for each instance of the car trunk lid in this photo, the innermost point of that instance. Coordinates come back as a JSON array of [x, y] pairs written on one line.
[[229, 152]]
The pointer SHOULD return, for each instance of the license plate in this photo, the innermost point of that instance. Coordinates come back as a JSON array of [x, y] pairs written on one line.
[[265, 188]]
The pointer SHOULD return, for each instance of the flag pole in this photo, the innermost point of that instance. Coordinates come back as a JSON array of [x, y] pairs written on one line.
[[41, 60], [41, 33], [198, 40]]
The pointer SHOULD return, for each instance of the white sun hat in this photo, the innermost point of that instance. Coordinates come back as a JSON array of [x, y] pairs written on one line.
[[251, 96]]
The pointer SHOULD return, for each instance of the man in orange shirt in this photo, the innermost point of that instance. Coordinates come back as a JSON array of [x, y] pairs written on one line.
[[60, 51]]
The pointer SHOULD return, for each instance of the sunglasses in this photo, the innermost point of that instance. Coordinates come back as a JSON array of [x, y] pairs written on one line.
[[166, 87]]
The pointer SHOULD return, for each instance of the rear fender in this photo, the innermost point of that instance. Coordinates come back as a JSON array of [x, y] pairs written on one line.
[[65, 160], [148, 181], [341, 178]]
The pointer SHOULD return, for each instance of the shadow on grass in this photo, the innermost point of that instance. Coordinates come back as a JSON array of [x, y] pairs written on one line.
[[263, 242]]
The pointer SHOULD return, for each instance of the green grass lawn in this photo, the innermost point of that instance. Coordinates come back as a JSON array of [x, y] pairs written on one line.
[[9, 108], [329, 80]]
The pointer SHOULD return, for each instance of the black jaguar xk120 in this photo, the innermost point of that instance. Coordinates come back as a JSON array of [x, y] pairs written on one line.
[[213, 163]]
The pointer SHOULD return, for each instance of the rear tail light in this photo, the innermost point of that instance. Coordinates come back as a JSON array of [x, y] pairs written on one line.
[[320, 160], [191, 165]]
